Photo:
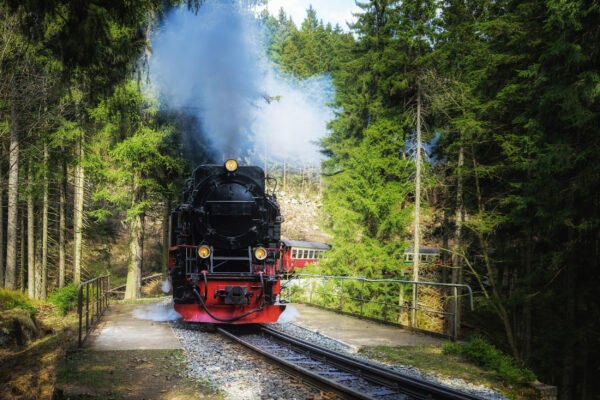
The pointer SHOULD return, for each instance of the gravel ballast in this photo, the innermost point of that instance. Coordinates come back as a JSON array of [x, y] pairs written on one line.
[[238, 373], [233, 370], [332, 344]]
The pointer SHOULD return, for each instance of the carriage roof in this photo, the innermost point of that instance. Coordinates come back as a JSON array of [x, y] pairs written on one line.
[[304, 244]]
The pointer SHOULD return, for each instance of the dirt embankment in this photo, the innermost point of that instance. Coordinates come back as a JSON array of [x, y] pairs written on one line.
[[32, 346], [303, 216]]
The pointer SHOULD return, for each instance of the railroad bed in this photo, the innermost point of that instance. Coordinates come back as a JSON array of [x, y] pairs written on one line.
[[335, 372]]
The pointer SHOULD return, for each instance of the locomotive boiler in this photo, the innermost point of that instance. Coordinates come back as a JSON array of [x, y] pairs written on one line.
[[223, 259]]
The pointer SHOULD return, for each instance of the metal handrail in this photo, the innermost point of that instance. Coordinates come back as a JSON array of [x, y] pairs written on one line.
[[100, 299], [361, 300]]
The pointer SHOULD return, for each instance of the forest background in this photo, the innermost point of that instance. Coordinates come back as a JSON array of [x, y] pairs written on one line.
[[505, 94]]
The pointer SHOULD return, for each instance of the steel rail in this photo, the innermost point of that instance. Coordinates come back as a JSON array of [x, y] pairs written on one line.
[[317, 381], [401, 384]]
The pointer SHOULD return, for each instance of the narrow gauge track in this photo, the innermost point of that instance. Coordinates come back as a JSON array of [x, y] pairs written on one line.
[[346, 376]]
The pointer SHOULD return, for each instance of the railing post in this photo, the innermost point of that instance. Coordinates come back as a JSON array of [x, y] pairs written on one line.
[[79, 311], [342, 295], [385, 303], [400, 301], [87, 308], [324, 292], [415, 306], [97, 299], [311, 292], [362, 298], [455, 316]]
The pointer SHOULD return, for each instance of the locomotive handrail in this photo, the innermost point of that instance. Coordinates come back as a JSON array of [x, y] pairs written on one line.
[[100, 300], [361, 300]]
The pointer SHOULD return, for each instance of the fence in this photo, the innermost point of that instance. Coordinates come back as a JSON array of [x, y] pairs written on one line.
[[371, 297], [98, 299]]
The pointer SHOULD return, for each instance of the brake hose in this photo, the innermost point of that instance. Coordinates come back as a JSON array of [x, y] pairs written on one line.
[[225, 319]]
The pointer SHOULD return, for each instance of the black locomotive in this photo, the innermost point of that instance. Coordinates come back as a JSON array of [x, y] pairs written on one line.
[[225, 246]]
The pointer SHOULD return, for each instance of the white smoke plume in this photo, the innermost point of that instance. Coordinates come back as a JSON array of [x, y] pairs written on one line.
[[288, 315], [213, 65], [166, 286], [162, 311]]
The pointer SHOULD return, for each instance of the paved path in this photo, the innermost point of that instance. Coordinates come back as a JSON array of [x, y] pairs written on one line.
[[119, 329], [358, 332]]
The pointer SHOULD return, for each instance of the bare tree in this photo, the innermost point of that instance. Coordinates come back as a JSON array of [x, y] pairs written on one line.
[[417, 229], [1, 215], [78, 209], [10, 281], [30, 236], [44, 262], [62, 225]]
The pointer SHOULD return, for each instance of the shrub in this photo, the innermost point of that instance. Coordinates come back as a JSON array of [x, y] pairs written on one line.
[[479, 351], [64, 299], [10, 299]]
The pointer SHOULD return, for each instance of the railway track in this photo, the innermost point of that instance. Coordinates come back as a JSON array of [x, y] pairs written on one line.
[[337, 373]]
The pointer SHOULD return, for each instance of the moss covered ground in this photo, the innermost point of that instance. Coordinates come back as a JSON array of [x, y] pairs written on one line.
[[127, 374], [431, 358]]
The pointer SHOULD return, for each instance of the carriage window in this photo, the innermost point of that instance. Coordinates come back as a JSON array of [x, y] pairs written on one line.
[[305, 256], [423, 257], [320, 254], [294, 253], [410, 257], [312, 254]]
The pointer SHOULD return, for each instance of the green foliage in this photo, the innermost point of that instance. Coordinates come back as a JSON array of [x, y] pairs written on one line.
[[65, 298], [10, 299], [481, 352]]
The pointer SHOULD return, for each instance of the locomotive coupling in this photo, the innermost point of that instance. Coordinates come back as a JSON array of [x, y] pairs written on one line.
[[234, 295]]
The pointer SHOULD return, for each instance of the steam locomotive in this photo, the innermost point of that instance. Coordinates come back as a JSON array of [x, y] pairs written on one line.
[[223, 259]]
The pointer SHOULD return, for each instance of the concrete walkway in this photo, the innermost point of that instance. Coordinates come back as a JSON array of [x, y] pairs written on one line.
[[119, 329], [357, 332]]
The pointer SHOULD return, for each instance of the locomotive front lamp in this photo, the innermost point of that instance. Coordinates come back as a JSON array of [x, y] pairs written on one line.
[[231, 165], [260, 253], [204, 251]]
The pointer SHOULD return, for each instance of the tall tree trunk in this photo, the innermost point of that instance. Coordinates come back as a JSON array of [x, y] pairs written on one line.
[[136, 244], [445, 261], [10, 278], [495, 299], [62, 226], [78, 210], [569, 345], [165, 236], [30, 237], [2, 267], [457, 261], [44, 263], [417, 230], [38, 264], [22, 255]]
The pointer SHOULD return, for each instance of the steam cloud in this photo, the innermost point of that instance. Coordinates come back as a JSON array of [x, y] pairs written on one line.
[[162, 311], [288, 315], [213, 65]]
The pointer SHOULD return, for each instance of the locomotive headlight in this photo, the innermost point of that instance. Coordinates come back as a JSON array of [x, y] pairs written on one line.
[[231, 165], [204, 251], [260, 253]]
